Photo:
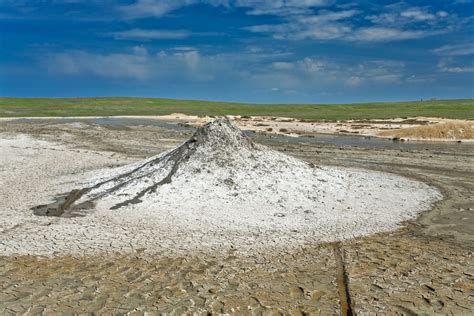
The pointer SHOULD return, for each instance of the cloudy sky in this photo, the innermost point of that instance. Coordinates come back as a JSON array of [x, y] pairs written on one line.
[[238, 50]]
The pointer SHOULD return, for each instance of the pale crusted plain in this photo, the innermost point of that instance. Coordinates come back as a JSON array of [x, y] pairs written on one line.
[[228, 193]]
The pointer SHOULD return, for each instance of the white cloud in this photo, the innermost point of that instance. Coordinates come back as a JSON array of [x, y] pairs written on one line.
[[395, 23], [449, 65], [121, 65], [311, 65], [417, 14], [323, 26], [144, 34], [320, 27], [323, 32], [458, 69], [138, 64], [265, 69], [281, 65], [281, 7], [455, 50], [398, 15], [442, 14], [324, 16], [140, 50], [304, 20], [311, 73], [147, 34], [382, 34], [354, 81], [183, 48], [158, 8], [191, 58]]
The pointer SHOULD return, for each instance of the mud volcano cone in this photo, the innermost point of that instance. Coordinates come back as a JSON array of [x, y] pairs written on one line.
[[217, 144], [221, 178]]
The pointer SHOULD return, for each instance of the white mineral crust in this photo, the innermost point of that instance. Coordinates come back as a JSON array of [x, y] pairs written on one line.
[[217, 190]]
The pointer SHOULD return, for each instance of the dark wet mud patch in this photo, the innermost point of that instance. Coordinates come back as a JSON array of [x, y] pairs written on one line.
[[62, 206]]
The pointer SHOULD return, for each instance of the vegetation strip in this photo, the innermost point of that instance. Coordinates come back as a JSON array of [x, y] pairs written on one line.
[[124, 106], [342, 281]]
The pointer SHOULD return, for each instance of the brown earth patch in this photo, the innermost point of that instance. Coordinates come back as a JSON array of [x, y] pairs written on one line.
[[444, 130]]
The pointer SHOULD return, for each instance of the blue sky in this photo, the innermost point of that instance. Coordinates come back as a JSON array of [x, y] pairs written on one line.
[[308, 51]]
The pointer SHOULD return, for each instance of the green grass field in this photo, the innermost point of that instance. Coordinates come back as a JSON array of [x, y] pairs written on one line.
[[115, 106]]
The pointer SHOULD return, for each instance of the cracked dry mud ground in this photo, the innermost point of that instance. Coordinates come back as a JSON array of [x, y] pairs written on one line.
[[425, 268]]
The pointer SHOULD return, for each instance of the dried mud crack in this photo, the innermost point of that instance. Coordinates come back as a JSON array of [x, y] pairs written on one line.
[[342, 279]]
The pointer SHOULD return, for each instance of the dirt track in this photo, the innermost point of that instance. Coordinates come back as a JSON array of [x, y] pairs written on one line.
[[425, 268]]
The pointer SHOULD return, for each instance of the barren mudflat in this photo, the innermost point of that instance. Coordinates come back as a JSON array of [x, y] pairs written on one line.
[[399, 276], [217, 190], [408, 128]]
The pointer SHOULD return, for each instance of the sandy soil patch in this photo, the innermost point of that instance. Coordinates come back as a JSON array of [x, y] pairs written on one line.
[[447, 130]]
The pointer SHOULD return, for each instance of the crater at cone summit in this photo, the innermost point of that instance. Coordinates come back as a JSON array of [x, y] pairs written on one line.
[[221, 178]]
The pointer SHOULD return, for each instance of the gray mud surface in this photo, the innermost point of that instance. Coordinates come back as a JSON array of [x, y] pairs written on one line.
[[424, 268]]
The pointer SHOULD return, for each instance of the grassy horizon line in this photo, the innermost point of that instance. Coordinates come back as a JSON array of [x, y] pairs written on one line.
[[129, 106], [229, 102]]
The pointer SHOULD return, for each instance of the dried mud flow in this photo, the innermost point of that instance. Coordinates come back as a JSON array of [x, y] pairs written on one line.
[[425, 268]]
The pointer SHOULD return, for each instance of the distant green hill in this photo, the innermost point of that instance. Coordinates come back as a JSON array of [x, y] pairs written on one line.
[[116, 106]]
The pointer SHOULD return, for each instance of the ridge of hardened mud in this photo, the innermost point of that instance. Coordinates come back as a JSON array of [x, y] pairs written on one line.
[[121, 184], [66, 201], [177, 158]]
